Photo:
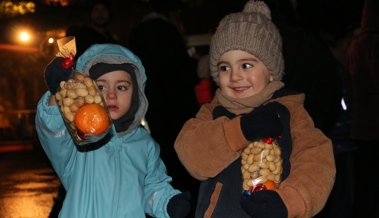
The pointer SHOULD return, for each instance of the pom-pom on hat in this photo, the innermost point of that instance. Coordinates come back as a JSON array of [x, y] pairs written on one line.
[[252, 31]]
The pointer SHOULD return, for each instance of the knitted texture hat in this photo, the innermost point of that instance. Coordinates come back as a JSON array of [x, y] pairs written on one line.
[[252, 31]]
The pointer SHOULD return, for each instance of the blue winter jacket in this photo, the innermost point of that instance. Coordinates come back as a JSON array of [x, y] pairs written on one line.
[[120, 176]]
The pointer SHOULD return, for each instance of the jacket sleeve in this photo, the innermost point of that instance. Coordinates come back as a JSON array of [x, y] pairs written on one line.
[[157, 188], [206, 146], [311, 179], [53, 135]]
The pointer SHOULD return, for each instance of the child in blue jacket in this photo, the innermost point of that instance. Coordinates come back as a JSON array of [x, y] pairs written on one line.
[[121, 175]]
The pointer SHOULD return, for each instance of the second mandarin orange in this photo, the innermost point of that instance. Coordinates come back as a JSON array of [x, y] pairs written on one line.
[[270, 185]]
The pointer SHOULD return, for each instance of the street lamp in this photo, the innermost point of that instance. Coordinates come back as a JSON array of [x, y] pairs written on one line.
[[20, 39], [24, 36]]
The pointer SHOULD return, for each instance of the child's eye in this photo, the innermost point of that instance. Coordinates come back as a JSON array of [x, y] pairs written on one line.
[[122, 88], [247, 65], [223, 68], [101, 87]]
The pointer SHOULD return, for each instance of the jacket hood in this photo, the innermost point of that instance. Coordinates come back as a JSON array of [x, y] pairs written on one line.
[[117, 54]]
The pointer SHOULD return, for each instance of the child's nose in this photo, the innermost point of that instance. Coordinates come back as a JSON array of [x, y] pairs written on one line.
[[235, 76], [111, 95]]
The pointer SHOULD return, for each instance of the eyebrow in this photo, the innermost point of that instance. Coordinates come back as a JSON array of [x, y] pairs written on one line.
[[240, 60], [221, 62], [127, 81]]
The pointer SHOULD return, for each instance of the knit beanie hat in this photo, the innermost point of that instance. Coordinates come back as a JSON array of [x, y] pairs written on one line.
[[252, 31], [99, 69]]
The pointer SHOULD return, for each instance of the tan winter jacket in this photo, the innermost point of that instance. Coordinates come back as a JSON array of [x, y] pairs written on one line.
[[206, 147]]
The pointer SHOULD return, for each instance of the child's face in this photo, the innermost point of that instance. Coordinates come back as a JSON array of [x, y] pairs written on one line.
[[242, 74], [117, 89]]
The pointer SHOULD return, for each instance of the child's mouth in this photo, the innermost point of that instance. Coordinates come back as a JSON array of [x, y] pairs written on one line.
[[112, 107], [240, 89]]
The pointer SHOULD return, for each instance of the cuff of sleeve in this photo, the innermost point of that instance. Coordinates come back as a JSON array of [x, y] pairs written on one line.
[[293, 201], [159, 201], [50, 110]]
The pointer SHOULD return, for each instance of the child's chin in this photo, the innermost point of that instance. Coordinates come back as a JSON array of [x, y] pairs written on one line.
[[114, 115]]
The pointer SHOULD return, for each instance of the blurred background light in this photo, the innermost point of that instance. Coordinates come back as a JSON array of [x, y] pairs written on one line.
[[24, 36]]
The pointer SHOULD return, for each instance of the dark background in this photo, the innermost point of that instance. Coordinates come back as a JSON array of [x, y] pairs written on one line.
[[22, 66]]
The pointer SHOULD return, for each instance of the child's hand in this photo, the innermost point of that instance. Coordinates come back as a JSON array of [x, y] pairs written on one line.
[[179, 206], [56, 72], [264, 204], [263, 121]]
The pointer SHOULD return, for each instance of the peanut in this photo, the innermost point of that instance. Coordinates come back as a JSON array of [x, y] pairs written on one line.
[[80, 102], [264, 172], [63, 93], [71, 94], [253, 167], [88, 82], [92, 91], [271, 176], [58, 96], [80, 86], [70, 117], [244, 155], [277, 178], [90, 99], [74, 107], [62, 84], [68, 101], [255, 150], [250, 159], [98, 99], [80, 77], [246, 175], [82, 92]]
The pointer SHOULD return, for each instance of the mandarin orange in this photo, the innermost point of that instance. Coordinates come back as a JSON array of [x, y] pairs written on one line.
[[91, 119], [270, 185]]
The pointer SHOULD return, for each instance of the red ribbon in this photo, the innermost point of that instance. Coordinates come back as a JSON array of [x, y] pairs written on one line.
[[257, 188], [68, 62], [269, 140]]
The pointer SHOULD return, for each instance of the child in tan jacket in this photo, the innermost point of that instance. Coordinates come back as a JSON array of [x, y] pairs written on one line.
[[252, 104]]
